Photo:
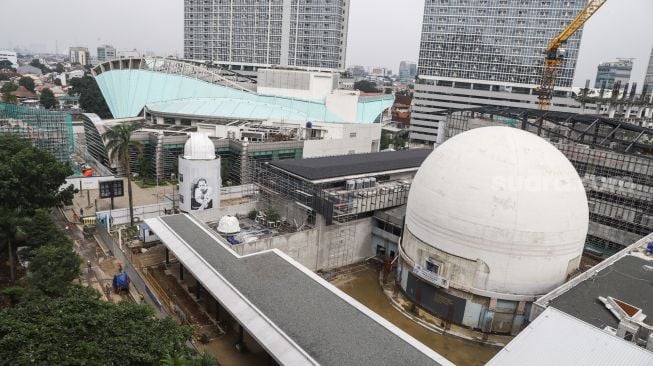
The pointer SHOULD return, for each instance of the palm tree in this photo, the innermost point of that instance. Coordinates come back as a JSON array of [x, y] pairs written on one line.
[[118, 141], [11, 228]]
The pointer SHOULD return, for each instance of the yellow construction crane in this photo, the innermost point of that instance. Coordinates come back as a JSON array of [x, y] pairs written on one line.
[[554, 59]]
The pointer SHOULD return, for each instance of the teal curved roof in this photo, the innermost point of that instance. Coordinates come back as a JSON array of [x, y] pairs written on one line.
[[245, 109], [128, 91]]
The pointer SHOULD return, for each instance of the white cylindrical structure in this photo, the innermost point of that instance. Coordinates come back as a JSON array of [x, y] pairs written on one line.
[[199, 175]]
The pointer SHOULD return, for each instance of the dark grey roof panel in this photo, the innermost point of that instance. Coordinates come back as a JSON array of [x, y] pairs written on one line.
[[322, 323], [355, 164], [624, 280]]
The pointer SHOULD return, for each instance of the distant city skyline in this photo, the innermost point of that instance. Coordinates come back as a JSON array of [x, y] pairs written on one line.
[[380, 32]]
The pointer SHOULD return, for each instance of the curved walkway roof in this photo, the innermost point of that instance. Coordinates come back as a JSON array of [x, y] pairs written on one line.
[[181, 88]]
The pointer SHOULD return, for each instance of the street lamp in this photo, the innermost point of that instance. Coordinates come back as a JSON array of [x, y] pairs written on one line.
[[172, 178]]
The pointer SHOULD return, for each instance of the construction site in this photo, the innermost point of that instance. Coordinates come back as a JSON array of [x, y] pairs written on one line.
[[50, 131]]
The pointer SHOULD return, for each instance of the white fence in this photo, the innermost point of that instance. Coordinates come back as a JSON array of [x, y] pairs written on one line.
[[121, 216]]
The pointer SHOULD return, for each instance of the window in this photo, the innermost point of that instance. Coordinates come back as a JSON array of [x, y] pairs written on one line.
[[181, 177], [433, 266], [181, 198], [352, 134]]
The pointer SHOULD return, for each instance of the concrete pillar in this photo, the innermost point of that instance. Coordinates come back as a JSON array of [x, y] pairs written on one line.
[[181, 271], [198, 290], [167, 256]]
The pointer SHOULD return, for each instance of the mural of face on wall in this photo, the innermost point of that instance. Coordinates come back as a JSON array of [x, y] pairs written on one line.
[[202, 195]]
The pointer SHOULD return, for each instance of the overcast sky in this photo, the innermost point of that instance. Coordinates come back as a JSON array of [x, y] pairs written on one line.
[[381, 32]]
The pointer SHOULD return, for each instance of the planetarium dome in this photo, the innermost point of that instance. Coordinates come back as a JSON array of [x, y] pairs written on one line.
[[505, 200], [199, 147]]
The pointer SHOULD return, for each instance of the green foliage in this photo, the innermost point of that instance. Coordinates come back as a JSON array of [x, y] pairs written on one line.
[[6, 64], [27, 82], [4, 77], [59, 68], [42, 231], [252, 214], [144, 165], [36, 63], [47, 98], [204, 339], [203, 359], [80, 329], [53, 268], [57, 82], [366, 86], [8, 88], [30, 177], [12, 223], [90, 97], [14, 294], [272, 214]]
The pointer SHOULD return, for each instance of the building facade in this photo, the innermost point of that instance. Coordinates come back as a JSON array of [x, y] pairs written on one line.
[[9, 56], [488, 52], [609, 73], [105, 53], [79, 55], [245, 35], [407, 71], [648, 79]]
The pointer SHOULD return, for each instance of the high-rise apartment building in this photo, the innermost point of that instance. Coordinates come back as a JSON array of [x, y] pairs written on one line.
[[488, 52], [105, 53], [608, 73], [407, 71], [648, 79], [247, 34], [79, 55]]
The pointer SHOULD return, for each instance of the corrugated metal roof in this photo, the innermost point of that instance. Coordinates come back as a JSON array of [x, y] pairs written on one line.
[[556, 338]]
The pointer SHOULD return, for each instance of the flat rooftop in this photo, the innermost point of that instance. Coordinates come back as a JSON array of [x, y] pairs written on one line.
[[342, 166], [626, 276], [624, 280], [556, 338], [294, 314]]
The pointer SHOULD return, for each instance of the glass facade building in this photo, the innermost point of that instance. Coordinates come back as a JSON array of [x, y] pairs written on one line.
[[492, 48], [252, 33], [648, 79]]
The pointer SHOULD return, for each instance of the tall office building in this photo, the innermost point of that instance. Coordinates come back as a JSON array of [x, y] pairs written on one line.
[[106, 53], [79, 55], [608, 73], [407, 71], [648, 79], [488, 52], [246, 34]]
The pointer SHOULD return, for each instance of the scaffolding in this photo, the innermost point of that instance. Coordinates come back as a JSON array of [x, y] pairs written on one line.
[[49, 131], [614, 159]]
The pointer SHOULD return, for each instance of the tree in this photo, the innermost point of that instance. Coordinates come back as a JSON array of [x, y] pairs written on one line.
[[52, 269], [31, 178], [80, 329], [47, 98], [12, 225], [366, 86], [6, 64], [8, 87], [57, 82], [42, 231], [27, 82], [59, 68], [90, 97], [36, 63], [119, 142]]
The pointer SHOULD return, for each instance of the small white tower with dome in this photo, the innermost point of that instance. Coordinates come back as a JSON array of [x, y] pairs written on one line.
[[199, 175]]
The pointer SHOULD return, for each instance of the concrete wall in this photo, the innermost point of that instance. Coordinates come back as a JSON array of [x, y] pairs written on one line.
[[343, 103], [354, 138], [215, 215], [121, 216], [313, 247]]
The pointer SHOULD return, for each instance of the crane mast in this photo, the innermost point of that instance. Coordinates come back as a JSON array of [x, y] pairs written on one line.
[[553, 59]]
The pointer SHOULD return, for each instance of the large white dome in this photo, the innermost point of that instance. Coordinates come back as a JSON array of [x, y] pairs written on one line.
[[199, 147], [506, 198]]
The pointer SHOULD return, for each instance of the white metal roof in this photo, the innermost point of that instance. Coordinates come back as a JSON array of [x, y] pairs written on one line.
[[556, 338]]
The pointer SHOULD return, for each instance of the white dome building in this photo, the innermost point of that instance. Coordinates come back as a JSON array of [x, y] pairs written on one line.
[[496, 216], [228, 225], [199, 175]]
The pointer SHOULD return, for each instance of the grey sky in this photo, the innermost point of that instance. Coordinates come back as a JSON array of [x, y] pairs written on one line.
[[381, 32]]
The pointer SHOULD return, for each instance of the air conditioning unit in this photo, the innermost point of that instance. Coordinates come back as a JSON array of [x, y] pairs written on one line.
[[627, 331]]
